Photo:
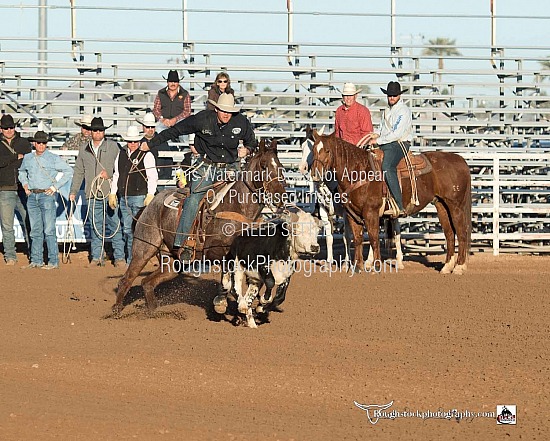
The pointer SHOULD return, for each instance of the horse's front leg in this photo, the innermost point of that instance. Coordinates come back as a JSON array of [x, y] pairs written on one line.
[[357, 231], [327, 226], [345, 238], [373, 229]]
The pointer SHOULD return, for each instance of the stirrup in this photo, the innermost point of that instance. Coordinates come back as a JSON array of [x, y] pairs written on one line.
[[186, 254]]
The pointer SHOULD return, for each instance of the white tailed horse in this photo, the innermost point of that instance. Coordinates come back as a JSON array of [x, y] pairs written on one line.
[[327, 208]]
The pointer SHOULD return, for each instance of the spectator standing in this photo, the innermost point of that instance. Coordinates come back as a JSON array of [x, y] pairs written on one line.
[[42, 174], [222, 84], [95, 165], [353, 120], [394, 138], [80, 139], [12, 196], [172, 103], [217, 136], [135, 180], [165, 165]]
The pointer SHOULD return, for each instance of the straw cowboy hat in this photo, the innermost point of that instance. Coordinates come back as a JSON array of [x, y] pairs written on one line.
[[350, 89], [97, 124], [132, 134], [148, 120], [226, 102], [40, 136], [173, 76], [85, 121], [393, 89]]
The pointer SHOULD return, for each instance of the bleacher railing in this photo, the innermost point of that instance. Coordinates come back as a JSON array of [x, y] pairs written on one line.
[[489, 105]]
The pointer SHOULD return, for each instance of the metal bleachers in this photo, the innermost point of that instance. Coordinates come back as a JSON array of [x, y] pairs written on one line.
[[488, 106]]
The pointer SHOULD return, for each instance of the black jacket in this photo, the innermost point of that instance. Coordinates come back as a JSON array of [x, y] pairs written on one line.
[[217, 142], [9, 164]]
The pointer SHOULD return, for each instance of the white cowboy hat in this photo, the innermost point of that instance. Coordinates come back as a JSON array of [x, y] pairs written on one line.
[[350, 89], [226, 102], [148, 120], [85, 121], [132, 134]]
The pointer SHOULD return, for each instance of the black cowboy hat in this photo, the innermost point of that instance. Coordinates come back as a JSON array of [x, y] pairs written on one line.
[[97, 124], [173, 76], [7, 122], [40, 136], [393, 89]]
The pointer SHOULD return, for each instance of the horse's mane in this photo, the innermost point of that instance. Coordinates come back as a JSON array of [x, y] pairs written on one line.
[[351, 156]]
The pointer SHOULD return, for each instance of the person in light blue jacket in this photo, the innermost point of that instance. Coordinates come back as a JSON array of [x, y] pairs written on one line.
[[42, 174], [394, 138]]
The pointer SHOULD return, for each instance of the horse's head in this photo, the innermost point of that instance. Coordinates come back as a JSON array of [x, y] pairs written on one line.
[[323, 157], [307, 155], [266, 172]]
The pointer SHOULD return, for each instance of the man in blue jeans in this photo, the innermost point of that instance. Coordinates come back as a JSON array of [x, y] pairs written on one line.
[[135, 180], [95, 165], [394, 138], [12, 197], [42, 173]]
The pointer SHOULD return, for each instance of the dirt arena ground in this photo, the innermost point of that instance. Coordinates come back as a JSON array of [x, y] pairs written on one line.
[[426, 342]]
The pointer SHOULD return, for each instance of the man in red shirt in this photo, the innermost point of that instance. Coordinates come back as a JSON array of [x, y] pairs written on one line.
[[353, 120]]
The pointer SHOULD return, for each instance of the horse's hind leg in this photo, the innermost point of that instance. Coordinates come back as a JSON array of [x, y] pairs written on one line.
[[163, 273], [448, 231], [139, 260], [460, 221]]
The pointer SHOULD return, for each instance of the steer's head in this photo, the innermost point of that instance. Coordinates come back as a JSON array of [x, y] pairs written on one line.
[[305, 231]]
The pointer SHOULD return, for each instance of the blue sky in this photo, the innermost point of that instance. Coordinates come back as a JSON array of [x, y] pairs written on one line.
[[360, 29], [367, 22]]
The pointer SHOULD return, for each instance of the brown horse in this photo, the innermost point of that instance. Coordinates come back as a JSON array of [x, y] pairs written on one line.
[[261, 181], [447, 186]]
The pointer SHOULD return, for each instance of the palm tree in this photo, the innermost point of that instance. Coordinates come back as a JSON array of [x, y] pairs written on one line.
[[441, 47]]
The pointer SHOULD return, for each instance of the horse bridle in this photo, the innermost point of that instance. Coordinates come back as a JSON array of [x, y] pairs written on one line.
[[324, 165], [264, 184]]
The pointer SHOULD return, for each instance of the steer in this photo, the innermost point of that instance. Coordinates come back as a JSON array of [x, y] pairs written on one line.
[[265, 256]]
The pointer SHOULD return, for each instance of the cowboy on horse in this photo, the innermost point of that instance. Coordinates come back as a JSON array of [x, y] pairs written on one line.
[[217, 140], [394, 140]]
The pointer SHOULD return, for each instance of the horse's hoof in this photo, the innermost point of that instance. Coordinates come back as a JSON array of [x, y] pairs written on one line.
[[117, 309], [445, 270], [459, 270], [220, 304]]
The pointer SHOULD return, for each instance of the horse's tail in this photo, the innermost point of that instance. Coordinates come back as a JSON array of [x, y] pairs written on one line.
[[468, 215]]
